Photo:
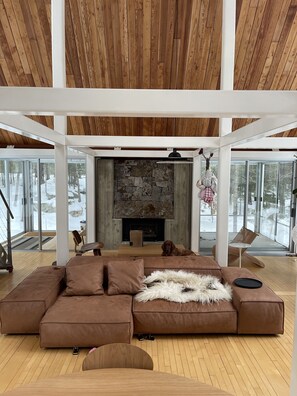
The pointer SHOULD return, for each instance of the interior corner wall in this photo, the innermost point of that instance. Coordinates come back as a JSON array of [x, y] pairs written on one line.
[[109, 230]]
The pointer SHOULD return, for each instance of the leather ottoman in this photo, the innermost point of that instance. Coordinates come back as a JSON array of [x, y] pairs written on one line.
[[260, 311]]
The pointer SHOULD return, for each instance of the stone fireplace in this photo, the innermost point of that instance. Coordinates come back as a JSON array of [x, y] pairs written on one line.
[[143, 189], [140, 190]]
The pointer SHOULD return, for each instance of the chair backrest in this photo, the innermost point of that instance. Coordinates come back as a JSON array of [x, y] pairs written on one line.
[[118, 355], [245, 235], [76, 237], [3, 256]]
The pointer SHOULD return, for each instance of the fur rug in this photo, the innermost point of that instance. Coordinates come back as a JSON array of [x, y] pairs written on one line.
[[181, 286]]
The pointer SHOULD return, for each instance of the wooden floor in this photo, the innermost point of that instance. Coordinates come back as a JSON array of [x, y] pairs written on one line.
[[241, 365]]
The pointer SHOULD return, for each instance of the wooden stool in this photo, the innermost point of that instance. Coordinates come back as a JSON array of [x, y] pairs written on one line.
[[136, 238]]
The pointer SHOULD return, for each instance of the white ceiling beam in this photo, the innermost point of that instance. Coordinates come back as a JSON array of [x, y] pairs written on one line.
[[227, 57], [27, 153], [58, 43], [141, 153], [141, 141], [263, 155], [15, 153], [58, 56], [258, 129], [85, 150], [147, 102], [287, 143], [32, 129], [25, 126], [228, 44]]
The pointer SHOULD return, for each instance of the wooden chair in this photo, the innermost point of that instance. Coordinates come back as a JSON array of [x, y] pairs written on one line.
[[85, 247], [118, 355], [245, 236]]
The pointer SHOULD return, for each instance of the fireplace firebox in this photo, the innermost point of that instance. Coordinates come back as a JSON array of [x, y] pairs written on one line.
[[153, 229]]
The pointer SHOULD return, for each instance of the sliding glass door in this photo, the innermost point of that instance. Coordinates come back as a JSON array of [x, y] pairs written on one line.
[[260, 199], [14, 193], [237, 196], [29, 187], [269, 200], [276, 181]]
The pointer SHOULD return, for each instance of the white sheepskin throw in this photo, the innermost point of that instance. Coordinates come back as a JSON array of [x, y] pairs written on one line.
[[181, 286]]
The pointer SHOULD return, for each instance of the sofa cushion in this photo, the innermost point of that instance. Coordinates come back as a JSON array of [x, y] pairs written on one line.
[[125, 277], [87, 321], [84, 280], [202, 265], [85, 259], [166, 317]]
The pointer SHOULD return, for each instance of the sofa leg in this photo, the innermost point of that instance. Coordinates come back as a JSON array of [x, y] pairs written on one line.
[[75, 351], [142, 337]]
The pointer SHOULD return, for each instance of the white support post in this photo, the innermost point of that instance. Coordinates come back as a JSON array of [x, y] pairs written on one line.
[[224, 166], [223, 205], [62, 250], [293, 389], [228, 44], [90, 172], [58, 43], [195, 221], [225, 127], [60, 125]]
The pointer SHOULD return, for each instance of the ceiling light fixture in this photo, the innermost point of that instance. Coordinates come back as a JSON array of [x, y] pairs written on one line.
[[175, 158], [174, 154]]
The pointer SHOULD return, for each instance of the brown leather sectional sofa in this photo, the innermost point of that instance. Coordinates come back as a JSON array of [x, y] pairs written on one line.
[[90, 302]]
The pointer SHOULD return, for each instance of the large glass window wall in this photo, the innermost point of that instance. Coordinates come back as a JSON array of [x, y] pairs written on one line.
[[260, 199], [29, 188], [12, 187]]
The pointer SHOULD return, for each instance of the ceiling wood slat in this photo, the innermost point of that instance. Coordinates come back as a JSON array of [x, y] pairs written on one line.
[[147, 44]]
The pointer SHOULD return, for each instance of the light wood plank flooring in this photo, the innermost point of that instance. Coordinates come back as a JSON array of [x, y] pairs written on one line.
[[241, 365]]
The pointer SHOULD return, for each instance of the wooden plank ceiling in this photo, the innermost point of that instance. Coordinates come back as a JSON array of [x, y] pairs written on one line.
[[160, 44]]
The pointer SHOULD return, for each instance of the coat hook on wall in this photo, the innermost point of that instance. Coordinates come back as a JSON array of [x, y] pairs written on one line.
[[206, 159]]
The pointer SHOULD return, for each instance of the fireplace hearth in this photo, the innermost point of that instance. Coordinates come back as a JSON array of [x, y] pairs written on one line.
[[153, 229]]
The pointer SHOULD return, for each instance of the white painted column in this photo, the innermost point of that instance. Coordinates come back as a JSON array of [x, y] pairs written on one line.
[[62, 250], [228, 44], [195, 220], [60, 125], [225, 127], [91, 210], [293, 389], [223, 205], [58, 43]]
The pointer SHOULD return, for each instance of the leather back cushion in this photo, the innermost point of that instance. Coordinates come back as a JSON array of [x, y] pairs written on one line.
[[84, 280], [125, 276]]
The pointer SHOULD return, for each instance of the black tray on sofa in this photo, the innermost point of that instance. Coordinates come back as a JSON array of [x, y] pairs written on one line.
[[248, 283]]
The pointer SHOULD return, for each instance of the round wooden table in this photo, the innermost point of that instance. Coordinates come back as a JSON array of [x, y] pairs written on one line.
[[128, 382]]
